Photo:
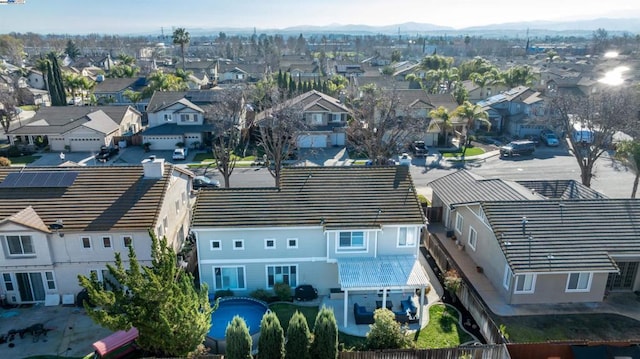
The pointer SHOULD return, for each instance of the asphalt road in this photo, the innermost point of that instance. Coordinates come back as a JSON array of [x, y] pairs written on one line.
[[611, 178]]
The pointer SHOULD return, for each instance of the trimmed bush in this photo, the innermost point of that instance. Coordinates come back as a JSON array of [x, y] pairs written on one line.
[[282, 291], [325, 333], [298, 337], [386, 333], [238, 339], [261, 294], [271, 343], [5, 162]]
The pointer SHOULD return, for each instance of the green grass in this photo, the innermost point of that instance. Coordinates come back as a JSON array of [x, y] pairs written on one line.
[[23, 160], [208, 157], [284, 311], [443, 330], [29, 107], [471, 151]]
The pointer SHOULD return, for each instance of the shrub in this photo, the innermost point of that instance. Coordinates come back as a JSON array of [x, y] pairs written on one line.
[[452, 281], [386, 333], [13, 151], [261, 294], [238, 339], [271, 343], [224, 293], [5, 162], [180, 144], [325, 333], [422, 199], [283, 291], [298, 337]]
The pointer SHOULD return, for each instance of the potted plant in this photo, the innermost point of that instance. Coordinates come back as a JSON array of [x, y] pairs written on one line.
[[147, 146]]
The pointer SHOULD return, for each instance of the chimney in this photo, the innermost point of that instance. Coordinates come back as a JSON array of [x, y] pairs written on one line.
[[153, 167]]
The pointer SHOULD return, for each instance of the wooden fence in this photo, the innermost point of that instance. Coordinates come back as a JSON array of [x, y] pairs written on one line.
[[480, 352], [466, 294]]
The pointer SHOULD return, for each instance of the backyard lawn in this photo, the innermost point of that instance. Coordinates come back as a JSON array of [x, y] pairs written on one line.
[[23, 160]]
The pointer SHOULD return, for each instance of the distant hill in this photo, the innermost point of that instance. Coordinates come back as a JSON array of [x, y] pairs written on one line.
[[629, 25]]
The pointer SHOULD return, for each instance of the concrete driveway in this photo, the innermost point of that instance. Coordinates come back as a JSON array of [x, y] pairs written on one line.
[[70, 332]]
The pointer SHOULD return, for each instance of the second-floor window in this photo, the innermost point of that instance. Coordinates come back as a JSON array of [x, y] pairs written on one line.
[[473, 238], [86, 242], [127, 241], [406, 237], [20, 245], [188, 117], [316, 119], [459, 222], [270, 243], [349, 241], [168, 117], [106, 242], [238, 244]]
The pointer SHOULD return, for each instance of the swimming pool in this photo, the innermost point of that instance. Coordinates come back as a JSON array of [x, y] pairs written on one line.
[[251, 310]]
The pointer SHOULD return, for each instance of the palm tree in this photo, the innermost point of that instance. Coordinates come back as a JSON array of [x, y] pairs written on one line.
[[629, 153], [181, 37], [518, 76], [126, 59], [471, 113], [486, 79], [442, 114]]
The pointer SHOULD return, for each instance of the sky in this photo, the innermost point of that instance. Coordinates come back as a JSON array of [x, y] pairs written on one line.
[[148, 16]]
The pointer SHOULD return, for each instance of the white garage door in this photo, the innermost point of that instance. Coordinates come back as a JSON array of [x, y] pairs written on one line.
[[312, 141], [337, 139], [85, 144], [162, 142]]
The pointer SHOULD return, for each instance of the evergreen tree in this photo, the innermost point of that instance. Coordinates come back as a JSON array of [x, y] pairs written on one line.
[[280, 78], [298, 337], [172, 317], [238, 340], [72, 50], [325, 333], [271, 344], [386, 332], [56, 86]]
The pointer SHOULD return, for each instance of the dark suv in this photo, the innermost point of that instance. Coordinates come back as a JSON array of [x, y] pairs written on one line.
[[517, 148]]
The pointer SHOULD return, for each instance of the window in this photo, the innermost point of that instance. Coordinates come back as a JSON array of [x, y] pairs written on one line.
[[184, 197], [165, 224], [292, 242], [459, 222], [106, 242], [238, 244], [229, 278], [525, 283], [8, 283], [127, 241], [406, 237], [177, 206], [20, 245], [216, 245], [473, 238], [269, 243], [160, 231], [506, 281], [282, 274], [86, 242], [579, 282], [351, 241], [51, 283], [167, 117], [316, 119]]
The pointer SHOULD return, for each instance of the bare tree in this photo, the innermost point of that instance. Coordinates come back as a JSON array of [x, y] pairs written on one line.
[[601, 114], [8, 107], [379, 127], [279, 128], [226, 117]]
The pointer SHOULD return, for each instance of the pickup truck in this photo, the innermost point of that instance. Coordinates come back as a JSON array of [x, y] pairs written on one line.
[[106, 153], [419, 149]]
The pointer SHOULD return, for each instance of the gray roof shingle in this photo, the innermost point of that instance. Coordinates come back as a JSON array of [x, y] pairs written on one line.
[[463, 187]]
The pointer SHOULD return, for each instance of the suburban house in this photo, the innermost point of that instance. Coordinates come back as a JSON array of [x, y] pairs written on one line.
[[32, 96], [518, 111], [50, 232], [110, 91], [36, 80], [542, 242], [325, 116], [76, 128], [356, 229], [349, 70], [178, 117]]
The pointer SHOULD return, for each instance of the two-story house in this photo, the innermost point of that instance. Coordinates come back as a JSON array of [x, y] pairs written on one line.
[[179, 117], [76, 128], [542, 242], [110, 91], [325, 118], [59, 222], [353, 228], [518, 111]]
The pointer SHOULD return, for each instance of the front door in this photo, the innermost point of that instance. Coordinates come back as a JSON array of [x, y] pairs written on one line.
[[626, 278], [30, 286]]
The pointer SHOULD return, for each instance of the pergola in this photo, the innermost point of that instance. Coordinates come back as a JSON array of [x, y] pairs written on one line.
[[381, 273]]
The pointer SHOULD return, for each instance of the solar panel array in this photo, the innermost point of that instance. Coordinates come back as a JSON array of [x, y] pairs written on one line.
[[39, 179]]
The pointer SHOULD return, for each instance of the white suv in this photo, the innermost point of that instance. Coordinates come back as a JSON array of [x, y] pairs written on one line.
[[180, 154]]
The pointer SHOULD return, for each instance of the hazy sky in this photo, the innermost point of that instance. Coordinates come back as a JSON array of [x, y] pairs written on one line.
[[120, 16]]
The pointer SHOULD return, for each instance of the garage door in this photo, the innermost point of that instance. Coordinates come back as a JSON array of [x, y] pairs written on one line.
[[312, 141], [337, 139], [85, 144], [162, 142]]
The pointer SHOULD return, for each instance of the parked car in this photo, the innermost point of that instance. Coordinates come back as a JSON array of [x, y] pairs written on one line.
[[549, 138], [419, 149], [404, 159], [517, 148], [106, 153], [180, 153], [204, 181]]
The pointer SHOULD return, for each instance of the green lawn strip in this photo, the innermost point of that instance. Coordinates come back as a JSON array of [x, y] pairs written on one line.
[[23, 160], [570, 327], [208, 157], [443, 330], [471, 151]]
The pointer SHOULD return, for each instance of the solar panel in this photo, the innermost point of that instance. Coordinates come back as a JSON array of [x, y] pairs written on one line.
[[39, 180]]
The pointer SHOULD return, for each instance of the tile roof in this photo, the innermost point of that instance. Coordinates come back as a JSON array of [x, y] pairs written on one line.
[[60, 119], [566, 236], [464, 187], [175, 129], [101, 198], [344, 197], [311, 101], [114, 84], [562, 189]]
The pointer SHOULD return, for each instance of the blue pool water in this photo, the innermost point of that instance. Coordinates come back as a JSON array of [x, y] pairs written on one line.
[[249, 309]]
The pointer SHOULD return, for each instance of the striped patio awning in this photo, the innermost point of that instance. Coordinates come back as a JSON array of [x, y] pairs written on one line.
[[390, 272]]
